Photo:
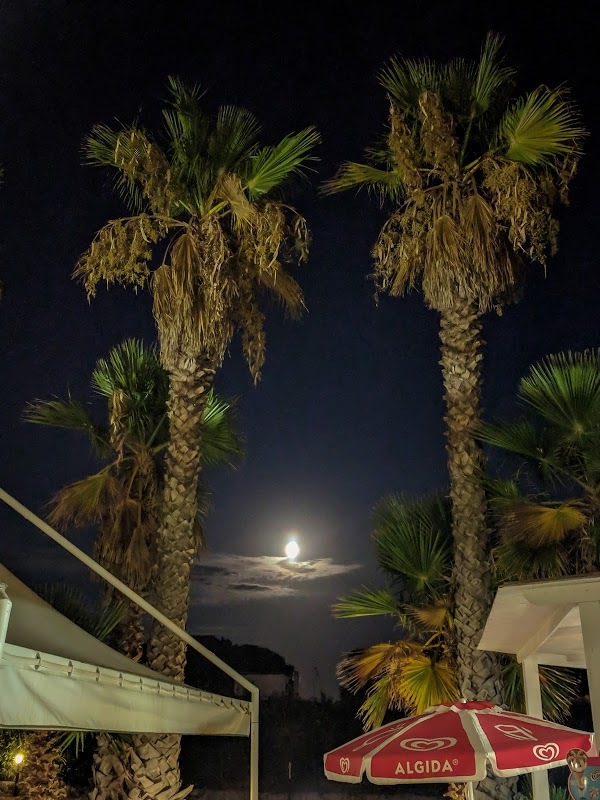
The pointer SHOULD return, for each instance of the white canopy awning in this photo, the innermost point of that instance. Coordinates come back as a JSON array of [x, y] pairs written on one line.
[[54, 675], [554, 622]]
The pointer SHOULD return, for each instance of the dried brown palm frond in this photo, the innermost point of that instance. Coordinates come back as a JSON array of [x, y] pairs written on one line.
[[83, 502]]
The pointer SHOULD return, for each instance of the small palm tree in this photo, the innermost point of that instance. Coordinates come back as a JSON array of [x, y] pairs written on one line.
[[413, 546], [473, 179], [547, 515], [124, 497]]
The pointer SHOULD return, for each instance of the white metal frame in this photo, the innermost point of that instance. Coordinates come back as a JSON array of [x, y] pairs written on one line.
[[551, 601], [149, 609]]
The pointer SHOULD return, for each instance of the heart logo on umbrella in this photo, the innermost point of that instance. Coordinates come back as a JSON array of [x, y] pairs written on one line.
[[344, 765], [546, 752], [424, 745]]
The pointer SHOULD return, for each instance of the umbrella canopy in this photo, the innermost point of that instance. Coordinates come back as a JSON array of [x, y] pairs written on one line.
[[453, 743]]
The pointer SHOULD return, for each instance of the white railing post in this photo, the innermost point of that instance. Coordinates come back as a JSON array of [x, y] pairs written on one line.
[[5, 607], [533, 707]]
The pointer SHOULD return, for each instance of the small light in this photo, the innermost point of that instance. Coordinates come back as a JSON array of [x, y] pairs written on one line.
[[292, 549], [19, 758]]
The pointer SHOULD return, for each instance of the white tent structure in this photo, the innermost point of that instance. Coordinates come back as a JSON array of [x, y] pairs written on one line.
[[554, 622], [55, 676]]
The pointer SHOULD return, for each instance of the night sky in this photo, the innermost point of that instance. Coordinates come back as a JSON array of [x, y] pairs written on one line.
[[350, 405]]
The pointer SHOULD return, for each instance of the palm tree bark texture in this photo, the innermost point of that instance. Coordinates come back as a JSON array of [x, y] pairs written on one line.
[[155, 763], [478, 671], [190, 381], [460, 335]]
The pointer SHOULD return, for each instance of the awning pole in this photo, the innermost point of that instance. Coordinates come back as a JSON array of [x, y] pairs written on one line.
[[254, 730], [5, 607]]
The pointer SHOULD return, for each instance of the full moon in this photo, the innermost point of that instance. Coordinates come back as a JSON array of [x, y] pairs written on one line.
[[292, 549]]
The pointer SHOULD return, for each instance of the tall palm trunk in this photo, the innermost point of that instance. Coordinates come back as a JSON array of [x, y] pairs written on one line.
[[40, 778], [479, 672], [155, 766]]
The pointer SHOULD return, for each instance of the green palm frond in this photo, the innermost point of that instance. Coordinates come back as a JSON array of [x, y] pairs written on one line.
[[517, 436], [541, 524], [405, 80], [540, 126], [386, 183], [221, 441], [366, 602], [491, 75], [559, 688], [105, 147], [136, 386], [273, 165], [413, 539], [501, 492], [379, 699], [424, 682], [70, 415], [235, 137], [515, 560], [564, 389]]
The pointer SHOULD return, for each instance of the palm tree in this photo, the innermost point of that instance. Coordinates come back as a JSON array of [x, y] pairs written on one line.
[[204, 210], [413, 546], [124, 497], [473, 179], [547, 514]]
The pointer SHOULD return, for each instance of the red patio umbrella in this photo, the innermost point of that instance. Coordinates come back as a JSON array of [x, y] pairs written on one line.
[[453, 743]]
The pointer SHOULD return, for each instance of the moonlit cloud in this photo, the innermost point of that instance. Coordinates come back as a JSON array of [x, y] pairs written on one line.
[[229, 578]]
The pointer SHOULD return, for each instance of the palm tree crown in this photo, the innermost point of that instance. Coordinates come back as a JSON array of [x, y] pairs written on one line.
[[205, 212], [474, 178], [124, 496]]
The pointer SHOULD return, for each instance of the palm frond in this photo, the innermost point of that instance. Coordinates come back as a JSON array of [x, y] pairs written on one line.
[[405, 80], [379, 699], [518, 436], [491, 75], [423, 682], [386, 183], [366, 602], [413, 539], [136, 386], [436, 616], [59, 414], [85, 501], [559, 689], [541, 524], [541, 126], [221, 441], [564, 389], [501, 492], [235, 137], [515, 560], [99, 622], [273, 165]]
